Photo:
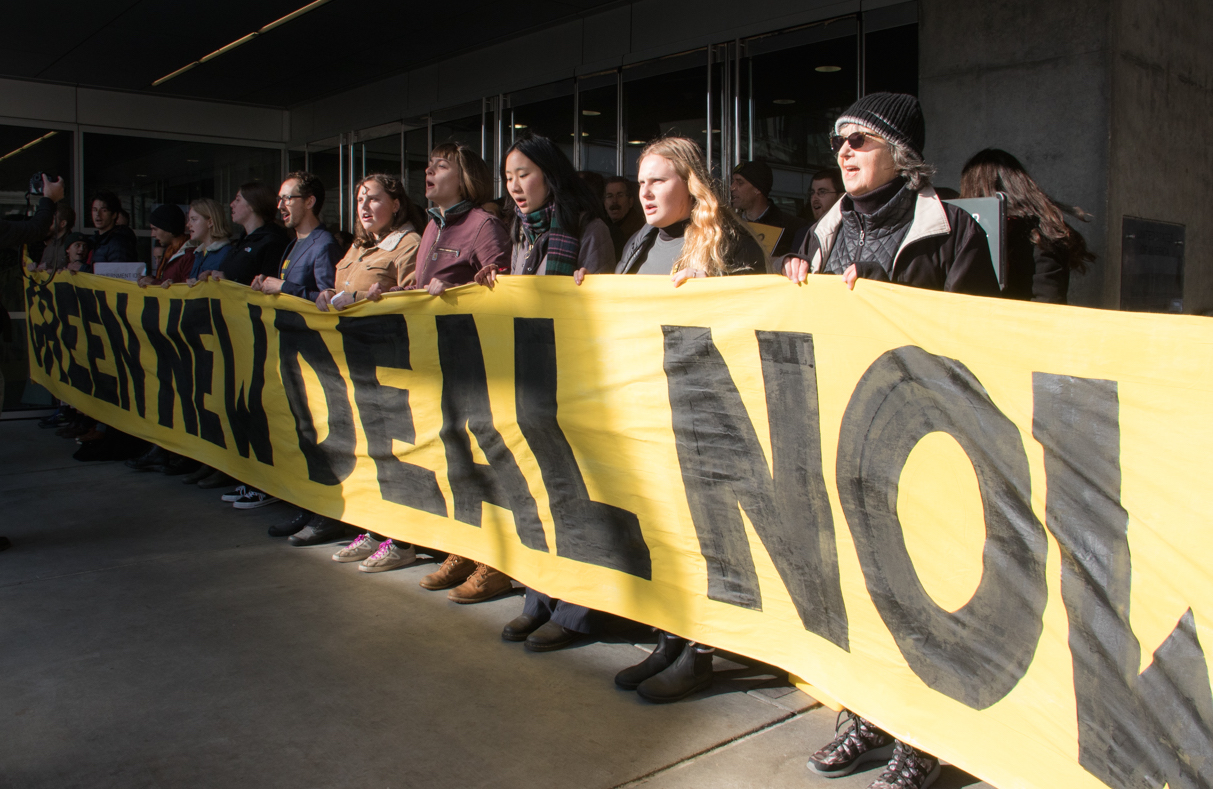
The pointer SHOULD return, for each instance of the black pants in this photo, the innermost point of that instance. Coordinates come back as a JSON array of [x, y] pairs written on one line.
[[574, 617]]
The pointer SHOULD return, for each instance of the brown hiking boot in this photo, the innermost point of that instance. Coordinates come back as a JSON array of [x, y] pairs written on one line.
[[483, 584], [452, 572]]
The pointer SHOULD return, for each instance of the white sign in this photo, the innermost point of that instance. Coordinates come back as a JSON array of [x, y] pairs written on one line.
[[127, 271]]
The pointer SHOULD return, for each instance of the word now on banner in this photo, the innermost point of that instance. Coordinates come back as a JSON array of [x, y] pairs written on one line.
[[981, 524]]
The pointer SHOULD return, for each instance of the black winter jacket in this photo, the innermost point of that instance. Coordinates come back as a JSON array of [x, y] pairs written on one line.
[[752, 259], [259, 252], [943, 249], [14, 233], [1033, 274], [118, 245]]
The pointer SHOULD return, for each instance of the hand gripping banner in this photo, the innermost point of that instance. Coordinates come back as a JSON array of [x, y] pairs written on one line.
[[982, 524]]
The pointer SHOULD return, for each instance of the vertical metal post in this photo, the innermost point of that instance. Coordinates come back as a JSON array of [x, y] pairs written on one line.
[[750, 127], [353, 197], [307, 159], [860, 77], [78, 177], [498, 144], [363, 160], [708, 147], [577, 165], [736, 100], [620, 141], [404, 163], [483, 111], [341, 181]]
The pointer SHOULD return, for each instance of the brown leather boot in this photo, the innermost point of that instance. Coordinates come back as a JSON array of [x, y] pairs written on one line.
[[483, 584], [452, 572]]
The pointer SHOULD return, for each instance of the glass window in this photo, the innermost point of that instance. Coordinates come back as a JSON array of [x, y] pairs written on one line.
[[460, 124], [416, 158], [146, 172], [890, 49], [664, 97], [24, 150], [797, 84], [547, 111], [598, 100], [325, 164]]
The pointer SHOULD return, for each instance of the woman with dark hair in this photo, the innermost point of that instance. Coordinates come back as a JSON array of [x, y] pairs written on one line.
[[1042, 248], [557, 228], [384, 251], [255, 208], [558, 223]]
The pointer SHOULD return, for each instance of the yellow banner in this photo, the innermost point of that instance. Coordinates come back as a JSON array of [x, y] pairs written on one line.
[[982, 524]]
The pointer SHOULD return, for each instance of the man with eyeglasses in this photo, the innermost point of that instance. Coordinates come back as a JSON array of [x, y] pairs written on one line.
[[890, 225], [307, 267], [750, 190]]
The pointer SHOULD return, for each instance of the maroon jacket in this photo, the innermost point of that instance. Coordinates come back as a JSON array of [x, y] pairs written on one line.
[[467, 243]]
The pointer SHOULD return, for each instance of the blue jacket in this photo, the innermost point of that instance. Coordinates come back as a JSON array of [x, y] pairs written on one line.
[[211, 258], [308, 265]]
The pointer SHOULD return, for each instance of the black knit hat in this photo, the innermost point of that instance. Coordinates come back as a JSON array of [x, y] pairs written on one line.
[[894, 116], [168, 217], [757, 173]]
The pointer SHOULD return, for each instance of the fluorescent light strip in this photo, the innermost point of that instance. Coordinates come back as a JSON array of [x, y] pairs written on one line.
[[28, 145], [222, 50]]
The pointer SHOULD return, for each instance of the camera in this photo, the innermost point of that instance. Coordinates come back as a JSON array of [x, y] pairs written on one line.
[[35, 184]]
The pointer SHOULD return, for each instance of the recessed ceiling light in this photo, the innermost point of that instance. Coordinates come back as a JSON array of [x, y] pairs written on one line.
[[519, 125], [28, 145], [585, 134], [635, 142], [141, 175], [591, 113], [195, 161], [828, 69], [784, 101]]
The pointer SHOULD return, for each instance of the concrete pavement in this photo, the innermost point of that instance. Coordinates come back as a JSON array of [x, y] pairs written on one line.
[[153, 636]]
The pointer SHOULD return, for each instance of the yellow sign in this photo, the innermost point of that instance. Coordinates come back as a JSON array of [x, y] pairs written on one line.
[[768, 236], [982, 524]]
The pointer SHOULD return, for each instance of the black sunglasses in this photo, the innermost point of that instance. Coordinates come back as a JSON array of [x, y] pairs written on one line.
[[855, 139]]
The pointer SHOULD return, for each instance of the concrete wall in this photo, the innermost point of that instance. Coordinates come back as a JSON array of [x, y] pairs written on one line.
[[1162, 113], [623, 34], [1030, 77], [40, 102]]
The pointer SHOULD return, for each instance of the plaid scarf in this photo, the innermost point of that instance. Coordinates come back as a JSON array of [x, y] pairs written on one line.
[[562, 248]]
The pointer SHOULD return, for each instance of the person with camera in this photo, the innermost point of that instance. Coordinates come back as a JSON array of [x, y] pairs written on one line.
[[27, 231], [112, 243]]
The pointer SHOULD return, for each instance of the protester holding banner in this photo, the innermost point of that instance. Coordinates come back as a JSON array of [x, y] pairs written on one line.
[[177, 256], [890, 226], [211, 234], [463, 238], [54, 254], [384, 252], [310, 260], [255, 208], [1042, 248], [113, 242]]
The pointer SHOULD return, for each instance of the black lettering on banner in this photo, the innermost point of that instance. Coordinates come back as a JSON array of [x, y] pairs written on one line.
[[371, 343], [332, 460], [196, 322], [67, 306], [173, 363], [1134, 730], [465, 407], [246, 419], [42, 324], [978, 653], [125, 350], [587, 531], [723, 466], [105, 386]]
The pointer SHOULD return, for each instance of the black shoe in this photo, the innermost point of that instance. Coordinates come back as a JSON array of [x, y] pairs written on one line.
[[216, 479], [56, 420], [549, 637], [521, 626], [319, 529], [178, 465], [292, 526], [195, 477], [690, 673], [148, 459], [668, 649]]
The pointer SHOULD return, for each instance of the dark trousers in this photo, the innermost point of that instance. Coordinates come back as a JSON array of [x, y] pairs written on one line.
[[574, 617]]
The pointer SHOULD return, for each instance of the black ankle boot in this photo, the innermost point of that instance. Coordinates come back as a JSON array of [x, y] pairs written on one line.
[[293, 526], [148, 459], [691, 672], [668, 648]]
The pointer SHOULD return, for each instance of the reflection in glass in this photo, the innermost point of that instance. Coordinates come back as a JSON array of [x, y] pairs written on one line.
[[664, 97], [416, 157], [890, 59], [599, 123], [549, 117], [325, 164]]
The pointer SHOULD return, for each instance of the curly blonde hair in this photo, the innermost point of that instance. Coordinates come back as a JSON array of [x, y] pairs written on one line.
[[716, 233]]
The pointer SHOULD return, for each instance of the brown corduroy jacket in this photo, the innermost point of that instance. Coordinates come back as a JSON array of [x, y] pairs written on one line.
[[392, 262]]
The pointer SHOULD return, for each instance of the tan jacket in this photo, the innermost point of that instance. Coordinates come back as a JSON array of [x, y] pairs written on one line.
[[392, 262]]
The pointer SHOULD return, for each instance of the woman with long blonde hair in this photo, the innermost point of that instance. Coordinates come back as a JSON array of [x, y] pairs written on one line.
[[690, 231]]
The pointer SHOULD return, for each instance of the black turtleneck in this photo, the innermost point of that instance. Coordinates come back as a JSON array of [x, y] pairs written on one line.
[[876, 199], [676, 230]]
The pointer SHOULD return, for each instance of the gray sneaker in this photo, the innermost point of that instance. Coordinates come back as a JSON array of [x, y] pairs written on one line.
[[357, 550], [388, 556]]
